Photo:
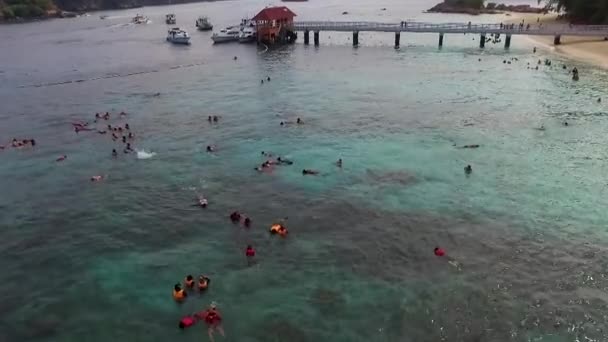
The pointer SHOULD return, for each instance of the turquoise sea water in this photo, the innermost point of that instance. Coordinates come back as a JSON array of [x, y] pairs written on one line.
[[86, 261]]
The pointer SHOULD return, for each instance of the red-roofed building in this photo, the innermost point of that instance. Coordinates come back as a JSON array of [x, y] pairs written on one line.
[[275, 25]]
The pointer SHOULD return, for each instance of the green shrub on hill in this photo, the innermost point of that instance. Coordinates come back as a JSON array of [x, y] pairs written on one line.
[[587, 11], [25, 8], [475, 4]]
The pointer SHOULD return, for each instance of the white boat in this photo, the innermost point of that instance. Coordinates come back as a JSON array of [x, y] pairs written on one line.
[[140, 19], [203, 24], [229, 34], [247, 23], [248, 34], [178, 36], [170, 19]]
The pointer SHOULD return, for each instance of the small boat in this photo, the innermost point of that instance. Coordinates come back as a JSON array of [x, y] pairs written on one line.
[[140, 19], [203, 24], [178, 36], [247, 23], [102, 17], [170, 19], [248, 34], [229, 34]]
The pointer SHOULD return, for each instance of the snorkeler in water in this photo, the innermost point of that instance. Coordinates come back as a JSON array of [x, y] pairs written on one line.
[[310, 172], [235, 217], [283, 161]]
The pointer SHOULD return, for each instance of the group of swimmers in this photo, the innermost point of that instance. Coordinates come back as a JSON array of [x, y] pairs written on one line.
[[298, 121], [19, 143], [179, 292], [106, 116], [118, 132], [211, 316], [267, 165], [315, 172], [125, 138], [276, 228], [237, 217]]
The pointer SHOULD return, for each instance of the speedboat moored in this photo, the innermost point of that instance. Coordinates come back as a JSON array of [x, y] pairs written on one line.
[[248, 34], [229, 34], [203, 24], [178, 36]]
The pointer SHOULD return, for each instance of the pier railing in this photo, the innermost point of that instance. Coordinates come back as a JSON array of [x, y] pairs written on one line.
[[511, 29]]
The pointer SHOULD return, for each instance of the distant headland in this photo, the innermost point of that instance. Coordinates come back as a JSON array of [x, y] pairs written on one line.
[[476, 7], [27, 10]]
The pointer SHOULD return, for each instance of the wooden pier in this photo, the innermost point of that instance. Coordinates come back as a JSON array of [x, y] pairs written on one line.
[[484, 30]]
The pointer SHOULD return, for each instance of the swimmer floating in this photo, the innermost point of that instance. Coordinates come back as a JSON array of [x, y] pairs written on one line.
[[279, 229]]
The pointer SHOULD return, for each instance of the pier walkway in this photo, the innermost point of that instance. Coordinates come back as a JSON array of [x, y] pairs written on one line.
[[534, 29]]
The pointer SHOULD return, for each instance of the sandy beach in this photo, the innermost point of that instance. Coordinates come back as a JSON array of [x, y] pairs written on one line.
[[592, 50]]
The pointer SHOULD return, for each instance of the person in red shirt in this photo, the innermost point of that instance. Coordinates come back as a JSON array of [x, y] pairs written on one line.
[[213, 319], [249, 253]]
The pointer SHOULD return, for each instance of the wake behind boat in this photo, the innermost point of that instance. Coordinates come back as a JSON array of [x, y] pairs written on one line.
[[178, 36]]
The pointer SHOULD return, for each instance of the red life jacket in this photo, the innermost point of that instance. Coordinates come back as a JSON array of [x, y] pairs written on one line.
[[439, 252], [250, 252], [187, 322], [212, 317]]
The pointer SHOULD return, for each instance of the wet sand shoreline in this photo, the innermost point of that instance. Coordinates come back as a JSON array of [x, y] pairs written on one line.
[[590, 50]]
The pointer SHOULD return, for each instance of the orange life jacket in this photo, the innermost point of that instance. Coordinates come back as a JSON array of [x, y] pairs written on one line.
[[179, 295]]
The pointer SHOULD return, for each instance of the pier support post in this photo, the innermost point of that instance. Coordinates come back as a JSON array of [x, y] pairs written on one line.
[[397, 39], [316, 36], [306, 37], [441, 40], [482, 41], [356, 38], [557, 40], [508, 41]]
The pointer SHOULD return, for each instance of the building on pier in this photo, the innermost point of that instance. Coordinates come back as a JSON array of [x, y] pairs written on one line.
[[275, 25]]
